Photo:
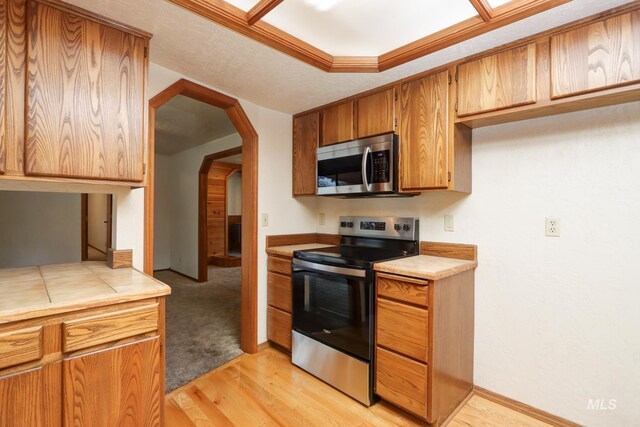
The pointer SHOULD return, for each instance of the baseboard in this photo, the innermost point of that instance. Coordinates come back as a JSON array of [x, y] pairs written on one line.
[[177, 272], [523, 408], [99, 250], [265, 345]]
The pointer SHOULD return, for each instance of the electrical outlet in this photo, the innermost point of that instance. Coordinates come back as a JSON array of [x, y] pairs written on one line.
[[448, 223], [552, 227], [265, 220], [321, 218]]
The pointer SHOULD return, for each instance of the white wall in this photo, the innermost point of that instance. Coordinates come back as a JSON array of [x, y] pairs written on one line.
[[39, 228], [96, 221], [234, 194], [286, 214], [162, 213], [185, 166], [556, 319]]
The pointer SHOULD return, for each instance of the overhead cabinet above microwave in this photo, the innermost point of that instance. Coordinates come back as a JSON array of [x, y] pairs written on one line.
[[74, 95]]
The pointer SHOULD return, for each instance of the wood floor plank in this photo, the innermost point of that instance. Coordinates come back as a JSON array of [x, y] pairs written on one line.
[[265, 389]]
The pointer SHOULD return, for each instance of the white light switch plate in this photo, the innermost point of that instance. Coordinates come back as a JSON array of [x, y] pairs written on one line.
[[448, 223], [265, 220]]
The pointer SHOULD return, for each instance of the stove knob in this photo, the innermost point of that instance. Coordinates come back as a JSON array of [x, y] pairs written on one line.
[[397, 227], [350, 224], [406, 227], [343, 224]]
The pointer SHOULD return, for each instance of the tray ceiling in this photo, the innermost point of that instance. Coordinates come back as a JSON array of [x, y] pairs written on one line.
[[357, 36]]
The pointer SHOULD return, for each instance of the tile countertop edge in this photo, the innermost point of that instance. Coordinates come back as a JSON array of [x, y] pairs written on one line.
[[288, 250], [50, 309], [422, 267]]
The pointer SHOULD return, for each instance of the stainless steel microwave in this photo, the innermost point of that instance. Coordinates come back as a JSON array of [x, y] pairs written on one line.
[[366, 167]]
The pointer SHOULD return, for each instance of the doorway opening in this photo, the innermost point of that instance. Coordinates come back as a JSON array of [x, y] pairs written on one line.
[[96, 226], [177, 217]]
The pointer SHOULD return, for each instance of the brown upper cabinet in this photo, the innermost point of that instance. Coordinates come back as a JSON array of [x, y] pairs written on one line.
[[376, 113], [598, 56], [499, 81], [306, 136], [337, 124], [435, 153], [85, 96]]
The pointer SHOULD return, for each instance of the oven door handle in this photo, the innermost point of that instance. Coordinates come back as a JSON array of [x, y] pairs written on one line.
[[365, 157], [354, 272]]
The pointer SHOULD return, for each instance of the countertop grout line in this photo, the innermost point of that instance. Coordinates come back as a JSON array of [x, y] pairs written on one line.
[[44, 285]]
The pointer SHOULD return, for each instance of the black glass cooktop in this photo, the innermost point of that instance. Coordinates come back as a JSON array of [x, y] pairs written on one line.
[[352, 256]]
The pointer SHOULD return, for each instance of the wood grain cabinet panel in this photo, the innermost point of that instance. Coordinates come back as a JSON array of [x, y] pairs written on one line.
[[306, 135], [279, 265], [115, 387], [279, 288], [20, 346], [279, 327], [499, 81], [403, 328], [401, 381], [85, 97], [409, 290], [3, 82], [32, 398], [424, 133], [103, 328], [601, 55], [376, 113], [337, 124]]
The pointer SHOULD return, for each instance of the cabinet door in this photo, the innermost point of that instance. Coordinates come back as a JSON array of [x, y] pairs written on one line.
[[337, 124], [376, 113], [495, 82], [85, 98], [597, 56], [424, 125], [115, 387], [32, 398], [279, 327], [305, 144]]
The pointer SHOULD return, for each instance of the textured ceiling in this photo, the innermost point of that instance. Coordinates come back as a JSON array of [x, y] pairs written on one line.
[[184, 123], [217, 56]]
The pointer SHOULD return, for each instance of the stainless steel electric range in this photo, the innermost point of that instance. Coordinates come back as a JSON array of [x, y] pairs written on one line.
[[333, 301]]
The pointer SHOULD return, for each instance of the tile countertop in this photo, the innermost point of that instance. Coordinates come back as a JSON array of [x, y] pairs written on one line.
[[426, 267], [290, 249], [30, 292]]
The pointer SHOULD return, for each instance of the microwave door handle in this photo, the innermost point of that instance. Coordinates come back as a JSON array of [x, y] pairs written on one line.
[[365, 157]]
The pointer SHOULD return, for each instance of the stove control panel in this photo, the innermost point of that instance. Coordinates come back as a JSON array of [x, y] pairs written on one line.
[[384, 227]]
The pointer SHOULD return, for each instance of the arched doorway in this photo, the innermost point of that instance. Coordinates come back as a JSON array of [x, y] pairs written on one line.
[[249, 303]]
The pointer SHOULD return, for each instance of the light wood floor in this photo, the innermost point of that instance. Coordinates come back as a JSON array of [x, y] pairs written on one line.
[[265, 389]]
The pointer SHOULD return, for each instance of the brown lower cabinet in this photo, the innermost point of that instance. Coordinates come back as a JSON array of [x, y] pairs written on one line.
[[279, 299], [424, 343], [113, 376]]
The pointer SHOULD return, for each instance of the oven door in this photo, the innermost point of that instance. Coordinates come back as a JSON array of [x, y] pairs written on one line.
[[334, 305]]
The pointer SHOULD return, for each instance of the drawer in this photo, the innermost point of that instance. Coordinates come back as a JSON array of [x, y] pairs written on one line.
[[401, 381], [279, 265], [279, 291], [20, 346], [279, 327], [403, 328], [107, 327], [414, 291]]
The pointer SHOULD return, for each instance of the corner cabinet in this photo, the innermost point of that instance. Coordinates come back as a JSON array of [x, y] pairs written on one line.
[[306, 135], [85, 103], [435, 153]]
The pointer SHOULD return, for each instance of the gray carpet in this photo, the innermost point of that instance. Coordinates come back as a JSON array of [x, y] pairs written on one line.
[[202, 324]]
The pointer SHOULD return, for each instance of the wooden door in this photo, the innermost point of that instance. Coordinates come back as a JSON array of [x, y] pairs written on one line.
[[305, 143], [217, 207], [424, 124], [114, 387], [337, 124], [85, 98], [598, 56], [376, 113], [495, 82], [32, 398]]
